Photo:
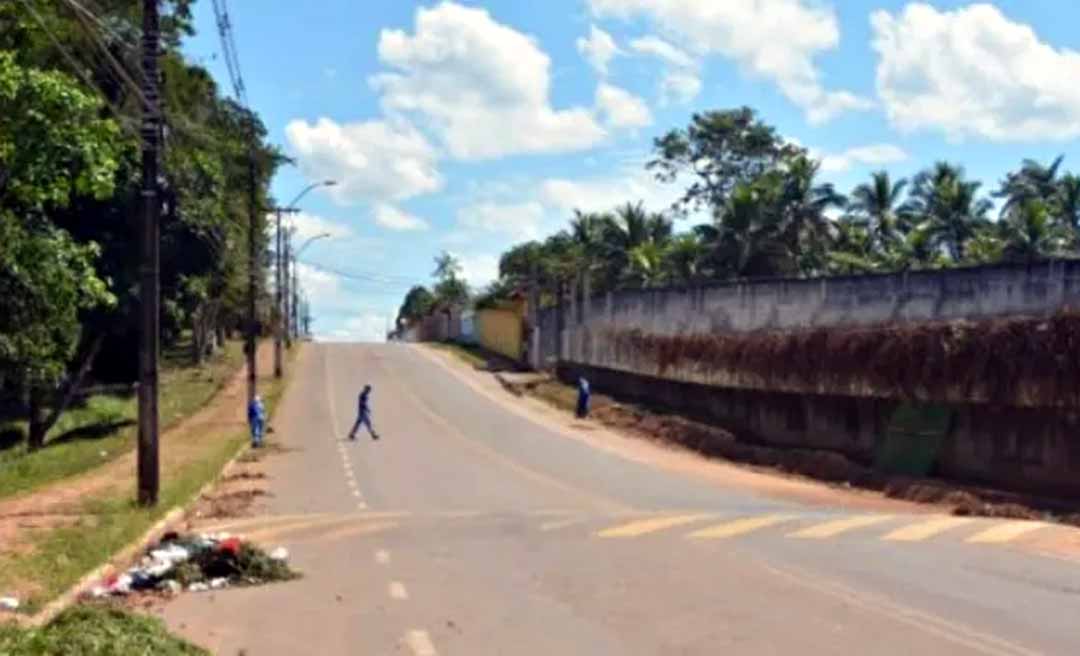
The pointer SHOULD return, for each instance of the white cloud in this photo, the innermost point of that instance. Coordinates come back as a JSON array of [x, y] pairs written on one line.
[[319, 286], [874, 154], [771, 39], [366, 327], [520, 221], [974, 73], [307, 226], [483, 86], [620, 108], [679, 87], [598, 49], [602, 194], [370, 160], [479, 270], [393, 218], [657, 47]]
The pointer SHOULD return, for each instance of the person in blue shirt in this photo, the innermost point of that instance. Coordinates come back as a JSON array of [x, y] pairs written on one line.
[[583, 394], [256, 420], [363, 417]]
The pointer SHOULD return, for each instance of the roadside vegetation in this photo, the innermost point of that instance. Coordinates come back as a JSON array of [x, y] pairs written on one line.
[[770, 215], [93, 630], [69, 196], [103, 426], [52, 560]]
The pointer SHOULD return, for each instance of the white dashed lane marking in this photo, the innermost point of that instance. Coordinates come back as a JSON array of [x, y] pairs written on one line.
[[397, 591], [382, 556], [420, 643]]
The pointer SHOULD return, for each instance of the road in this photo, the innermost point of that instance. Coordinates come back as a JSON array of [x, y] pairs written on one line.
[[473, 527]]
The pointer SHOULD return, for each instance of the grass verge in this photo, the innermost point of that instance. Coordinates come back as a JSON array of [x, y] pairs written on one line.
[[103, 428], [59, 557], [470, 355], [98, 631]]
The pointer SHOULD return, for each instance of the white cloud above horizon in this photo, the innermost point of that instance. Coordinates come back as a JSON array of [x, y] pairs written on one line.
[[621, 109], [776, 40], [598, 49], [974, 73], [371, 161], [393, 218], [481, 86]]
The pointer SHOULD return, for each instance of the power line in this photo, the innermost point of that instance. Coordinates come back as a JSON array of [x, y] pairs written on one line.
[[116, 66], [392, 281], [78, 68]]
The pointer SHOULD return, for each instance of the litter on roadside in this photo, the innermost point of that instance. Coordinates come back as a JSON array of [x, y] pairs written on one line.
[[9, 603], [197, 563]]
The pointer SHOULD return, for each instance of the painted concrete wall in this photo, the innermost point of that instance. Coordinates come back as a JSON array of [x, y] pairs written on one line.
[[500, 331]]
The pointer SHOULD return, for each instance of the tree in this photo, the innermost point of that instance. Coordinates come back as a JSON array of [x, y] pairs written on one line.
[[1030, 233], [629, 228], [417, 305], [950, 205], [804, 211], [449, 288], [1033, 182], [719, 150], [876, 204], [53, 146], [686, 259]]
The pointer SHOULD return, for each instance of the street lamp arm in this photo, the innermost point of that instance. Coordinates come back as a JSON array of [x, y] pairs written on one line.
[[314, 185], [307, 243]]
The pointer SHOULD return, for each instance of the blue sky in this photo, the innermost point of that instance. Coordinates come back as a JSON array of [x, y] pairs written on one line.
[[469, 126]]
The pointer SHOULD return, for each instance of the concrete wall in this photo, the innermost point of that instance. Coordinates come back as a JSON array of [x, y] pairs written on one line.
[[500, 331], [1020, 449], [590, 327]]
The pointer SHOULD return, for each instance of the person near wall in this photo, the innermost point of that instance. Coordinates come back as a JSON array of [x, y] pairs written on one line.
[[583, 394]]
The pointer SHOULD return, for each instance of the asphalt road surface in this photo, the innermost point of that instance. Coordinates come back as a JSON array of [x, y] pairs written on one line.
[[475, 528]]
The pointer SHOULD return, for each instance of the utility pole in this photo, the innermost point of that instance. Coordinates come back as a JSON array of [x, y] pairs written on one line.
[[290, 291], [148, 468], [296, 298], [281, 294], [253, 269]]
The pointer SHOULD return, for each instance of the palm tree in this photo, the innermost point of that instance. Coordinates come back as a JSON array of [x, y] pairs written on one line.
[[950, 206], [686, 259], [804, 211], [749, 240], [647, 262], [630, 227], [1069, 201], [1032, 182], [1030, 233], [877, 202]]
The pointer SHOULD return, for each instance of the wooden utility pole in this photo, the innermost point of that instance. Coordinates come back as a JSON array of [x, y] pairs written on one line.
[[149, 291], [253, 270], [281, 291]]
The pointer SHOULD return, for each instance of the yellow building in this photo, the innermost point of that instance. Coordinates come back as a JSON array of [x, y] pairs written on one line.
[[501, 329]]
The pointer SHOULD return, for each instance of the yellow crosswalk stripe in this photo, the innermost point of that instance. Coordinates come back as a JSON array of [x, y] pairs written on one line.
[[838, 526], [925, 529], [1004, 532], [645, 526], [739, 527]]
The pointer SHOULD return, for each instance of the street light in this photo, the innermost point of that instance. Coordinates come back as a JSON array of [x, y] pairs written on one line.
[[296, 280], [281, 298]]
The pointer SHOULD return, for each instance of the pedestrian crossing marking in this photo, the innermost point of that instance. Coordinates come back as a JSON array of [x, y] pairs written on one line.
[[838, 526], [1004, 532], [739, 527], [646, 526], [926, 529]]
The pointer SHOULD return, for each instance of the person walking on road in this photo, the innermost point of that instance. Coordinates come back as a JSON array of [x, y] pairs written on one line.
[[363, 417], [256, 420]]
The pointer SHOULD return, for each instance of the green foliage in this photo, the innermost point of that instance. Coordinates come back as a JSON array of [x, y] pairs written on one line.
[[771, 216], [417, 304], [96, 631]]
